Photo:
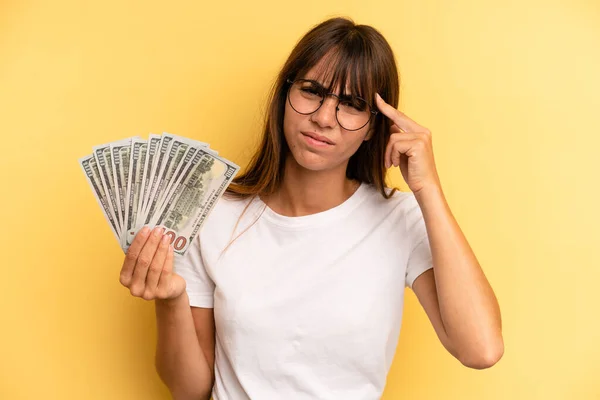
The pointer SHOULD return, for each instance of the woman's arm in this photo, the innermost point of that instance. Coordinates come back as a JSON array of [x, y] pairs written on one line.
[[185, 348], [455, 294]]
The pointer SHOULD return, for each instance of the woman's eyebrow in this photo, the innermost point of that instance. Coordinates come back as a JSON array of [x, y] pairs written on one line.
[[322, 87]]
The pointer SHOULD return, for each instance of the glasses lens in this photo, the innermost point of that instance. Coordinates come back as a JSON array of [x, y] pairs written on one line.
[[353, 113], [306, 98]]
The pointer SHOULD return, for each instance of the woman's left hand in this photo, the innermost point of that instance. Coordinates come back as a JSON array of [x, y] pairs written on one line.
[[410, 148]]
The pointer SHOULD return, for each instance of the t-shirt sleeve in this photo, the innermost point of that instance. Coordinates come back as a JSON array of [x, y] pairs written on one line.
[[419, 259], [199, 286]]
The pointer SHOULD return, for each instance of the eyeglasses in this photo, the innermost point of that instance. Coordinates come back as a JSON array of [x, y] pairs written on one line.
[[307, 96]]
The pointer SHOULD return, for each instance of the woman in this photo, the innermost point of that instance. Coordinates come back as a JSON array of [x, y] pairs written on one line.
[[294, 288]]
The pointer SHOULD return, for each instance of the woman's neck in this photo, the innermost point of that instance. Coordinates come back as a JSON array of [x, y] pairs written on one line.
[[305, 192]]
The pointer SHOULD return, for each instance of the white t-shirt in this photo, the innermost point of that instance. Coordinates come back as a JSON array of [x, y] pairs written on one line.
[[307, 307]]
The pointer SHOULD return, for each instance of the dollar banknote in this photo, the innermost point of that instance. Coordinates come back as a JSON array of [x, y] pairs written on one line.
[[104, 162], [177, 148], [134, 178], [120, 157], [90, 169], [190, 203], [153, 144], [166, 180]]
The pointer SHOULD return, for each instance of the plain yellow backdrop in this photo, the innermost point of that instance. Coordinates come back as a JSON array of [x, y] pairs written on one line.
[[509, 89]]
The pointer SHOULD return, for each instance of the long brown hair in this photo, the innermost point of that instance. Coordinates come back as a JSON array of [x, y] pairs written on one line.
[[357, 54]]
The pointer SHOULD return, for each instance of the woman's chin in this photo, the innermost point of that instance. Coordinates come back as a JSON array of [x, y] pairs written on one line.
[[312, 162]]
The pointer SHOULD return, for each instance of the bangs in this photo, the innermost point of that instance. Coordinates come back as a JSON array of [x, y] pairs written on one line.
[[346, 66]]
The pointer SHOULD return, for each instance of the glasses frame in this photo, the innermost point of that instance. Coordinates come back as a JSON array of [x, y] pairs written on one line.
[[324, 95]]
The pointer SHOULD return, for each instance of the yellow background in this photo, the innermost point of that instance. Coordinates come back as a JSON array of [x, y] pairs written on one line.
[[509, 89]]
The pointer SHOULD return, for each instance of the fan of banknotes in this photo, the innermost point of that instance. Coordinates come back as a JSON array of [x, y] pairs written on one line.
[[166, 180]]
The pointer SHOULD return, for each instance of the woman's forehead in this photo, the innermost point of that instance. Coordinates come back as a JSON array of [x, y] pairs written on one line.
[[324, 70], [324, 79], [319, 80]]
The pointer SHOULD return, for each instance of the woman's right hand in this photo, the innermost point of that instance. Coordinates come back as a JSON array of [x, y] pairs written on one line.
[[148, 267]]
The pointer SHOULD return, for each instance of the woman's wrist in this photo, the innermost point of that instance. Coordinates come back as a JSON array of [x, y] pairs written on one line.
[[175, 301]]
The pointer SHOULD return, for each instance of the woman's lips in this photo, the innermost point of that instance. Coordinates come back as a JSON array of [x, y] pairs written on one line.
[[315, 142]]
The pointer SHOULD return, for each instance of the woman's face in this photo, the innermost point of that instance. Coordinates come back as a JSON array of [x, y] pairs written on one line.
[[337, 144]]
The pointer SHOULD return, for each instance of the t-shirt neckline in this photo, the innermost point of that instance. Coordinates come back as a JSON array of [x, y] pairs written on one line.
[[305, 221]]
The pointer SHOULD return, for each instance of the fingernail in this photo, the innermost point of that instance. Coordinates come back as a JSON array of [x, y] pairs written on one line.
[[158, 231], [378, 96], [166, 239], [145, 230]]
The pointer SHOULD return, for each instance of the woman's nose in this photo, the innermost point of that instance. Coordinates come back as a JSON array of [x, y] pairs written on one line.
[[325, 116]]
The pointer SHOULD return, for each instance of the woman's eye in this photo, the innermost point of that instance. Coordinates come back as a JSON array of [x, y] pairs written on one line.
[[355, 105], [310, 90]]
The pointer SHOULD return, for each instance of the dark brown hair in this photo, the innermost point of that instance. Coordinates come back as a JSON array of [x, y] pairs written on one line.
[[357, 54]]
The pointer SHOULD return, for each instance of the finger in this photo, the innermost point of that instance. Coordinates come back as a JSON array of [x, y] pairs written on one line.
[[389, 148], [143, 262], [168, 268], [399, 147], [403, 147], [132, 255], [395, 129], [398, 117], [388, 151], [157, 264], [165, 281]]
